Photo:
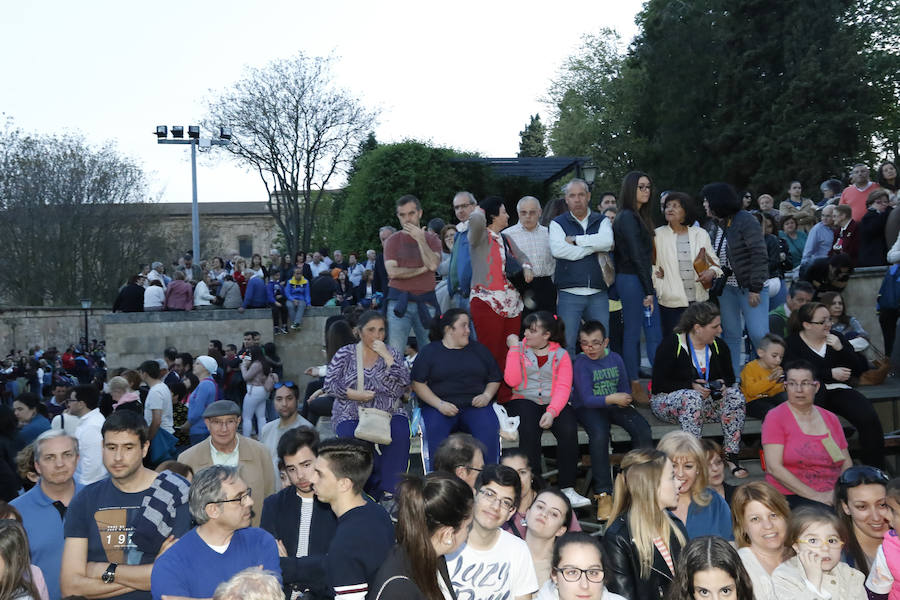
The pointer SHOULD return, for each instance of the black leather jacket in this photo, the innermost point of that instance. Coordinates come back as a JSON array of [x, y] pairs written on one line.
[[623, 566]]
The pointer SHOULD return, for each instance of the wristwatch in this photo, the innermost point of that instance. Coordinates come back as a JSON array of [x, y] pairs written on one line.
[[109, 575]]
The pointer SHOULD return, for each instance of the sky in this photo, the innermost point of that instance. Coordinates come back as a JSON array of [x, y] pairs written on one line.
[[465, 74]]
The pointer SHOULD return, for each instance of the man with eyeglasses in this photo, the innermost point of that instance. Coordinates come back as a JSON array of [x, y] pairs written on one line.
[[225, 446], [222, 544], [460, 274], [303, 525], [286, 406], [494, 563], [462, 455], [116, 528]]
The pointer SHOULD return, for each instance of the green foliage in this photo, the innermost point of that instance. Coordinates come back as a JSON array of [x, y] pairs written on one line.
[[756, 93], [531, 142], [431, 174]]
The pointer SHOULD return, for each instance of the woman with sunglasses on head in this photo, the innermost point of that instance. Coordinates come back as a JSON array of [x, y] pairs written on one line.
[[860, 500], [384, 379], [834, 363], [577, 571]]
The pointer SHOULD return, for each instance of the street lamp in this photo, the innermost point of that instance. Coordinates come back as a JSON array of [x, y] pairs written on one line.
[[590, 173], [194, 140], [86, 306]]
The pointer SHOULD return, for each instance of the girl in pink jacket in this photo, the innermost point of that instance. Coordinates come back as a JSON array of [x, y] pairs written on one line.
[[539, 371]]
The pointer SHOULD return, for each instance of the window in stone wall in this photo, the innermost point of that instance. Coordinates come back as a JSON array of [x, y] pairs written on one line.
[[245, 246]]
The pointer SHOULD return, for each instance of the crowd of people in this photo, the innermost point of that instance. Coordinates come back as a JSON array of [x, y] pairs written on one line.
[[139, 483]]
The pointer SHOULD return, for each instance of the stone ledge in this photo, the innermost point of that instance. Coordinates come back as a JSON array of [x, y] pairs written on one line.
[[214, 314]]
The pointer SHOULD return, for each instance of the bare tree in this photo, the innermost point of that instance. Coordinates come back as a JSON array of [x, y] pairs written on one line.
[[75, 221], [298, 131]]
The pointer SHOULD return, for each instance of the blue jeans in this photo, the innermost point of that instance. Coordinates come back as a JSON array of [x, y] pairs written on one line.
[[295, 313], [399, 327], [480, 423], [573, 307], [632, 294], [391, 462], [596, 422], [734, 304]]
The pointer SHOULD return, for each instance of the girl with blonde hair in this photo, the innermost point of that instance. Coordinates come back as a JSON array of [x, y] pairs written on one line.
[[643, 541], [700, 508]]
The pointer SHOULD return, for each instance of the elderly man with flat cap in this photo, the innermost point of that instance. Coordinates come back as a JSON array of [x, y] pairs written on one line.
[[225, 446]]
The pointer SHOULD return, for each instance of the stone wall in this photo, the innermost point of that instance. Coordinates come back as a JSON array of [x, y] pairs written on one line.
[[23, 327], [132, 338], [859, 299]]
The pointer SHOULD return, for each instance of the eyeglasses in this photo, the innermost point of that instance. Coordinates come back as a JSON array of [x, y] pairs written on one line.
[[287, 384], [491, 497], [591, 343], [799, 385], [227, 424], [862, 474], [644, 188], [573, 574], [244, 496], [467, 467], [827, 320], [462, 206], [814, 542]]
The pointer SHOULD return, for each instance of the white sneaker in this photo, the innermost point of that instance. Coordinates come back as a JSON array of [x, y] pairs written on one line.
[[575, 499]]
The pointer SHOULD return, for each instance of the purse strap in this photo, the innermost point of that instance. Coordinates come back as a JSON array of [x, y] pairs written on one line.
[[360, 374]]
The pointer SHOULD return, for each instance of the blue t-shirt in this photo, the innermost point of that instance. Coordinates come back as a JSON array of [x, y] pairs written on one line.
[[38, 425], [192, 569], [456, 375], [44, 526], [712, 519], [105, 516], [594, 380]]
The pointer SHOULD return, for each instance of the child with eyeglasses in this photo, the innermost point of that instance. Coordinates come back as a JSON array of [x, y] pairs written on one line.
[[883, 582], [816, 571]]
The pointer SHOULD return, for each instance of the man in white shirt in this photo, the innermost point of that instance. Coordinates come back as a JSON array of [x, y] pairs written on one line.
[[494, 563], [578, 240], [84, 403], [534, 240], [69, 419], [317, 266], [286, 406], [155, 275]]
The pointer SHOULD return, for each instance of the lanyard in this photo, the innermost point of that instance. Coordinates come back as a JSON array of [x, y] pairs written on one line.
[[702, 372]]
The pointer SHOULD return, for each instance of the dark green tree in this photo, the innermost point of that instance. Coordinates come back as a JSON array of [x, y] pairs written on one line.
[[740, 92], [531, 139]]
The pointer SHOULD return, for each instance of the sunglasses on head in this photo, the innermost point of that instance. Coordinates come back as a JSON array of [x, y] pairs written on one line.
[[288, 384], [861, 475]]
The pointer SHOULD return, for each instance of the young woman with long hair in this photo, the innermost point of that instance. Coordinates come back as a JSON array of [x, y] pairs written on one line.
[[433, 520], [255, 369], [643, 541], [633, 232], [16, 575], [709, 567]]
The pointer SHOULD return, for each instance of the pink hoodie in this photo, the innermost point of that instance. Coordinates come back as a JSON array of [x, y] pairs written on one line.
[[548, 385]]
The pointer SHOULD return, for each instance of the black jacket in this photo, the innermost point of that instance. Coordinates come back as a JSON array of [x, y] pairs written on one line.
[[796, 349], [394, 579], [281, 518], [634, 248], [130, 299], [873, 246], [746, 249], [673, 366], [623, 566]]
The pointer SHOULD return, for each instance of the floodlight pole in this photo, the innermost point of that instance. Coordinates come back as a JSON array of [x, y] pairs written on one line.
[[195, 210]]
